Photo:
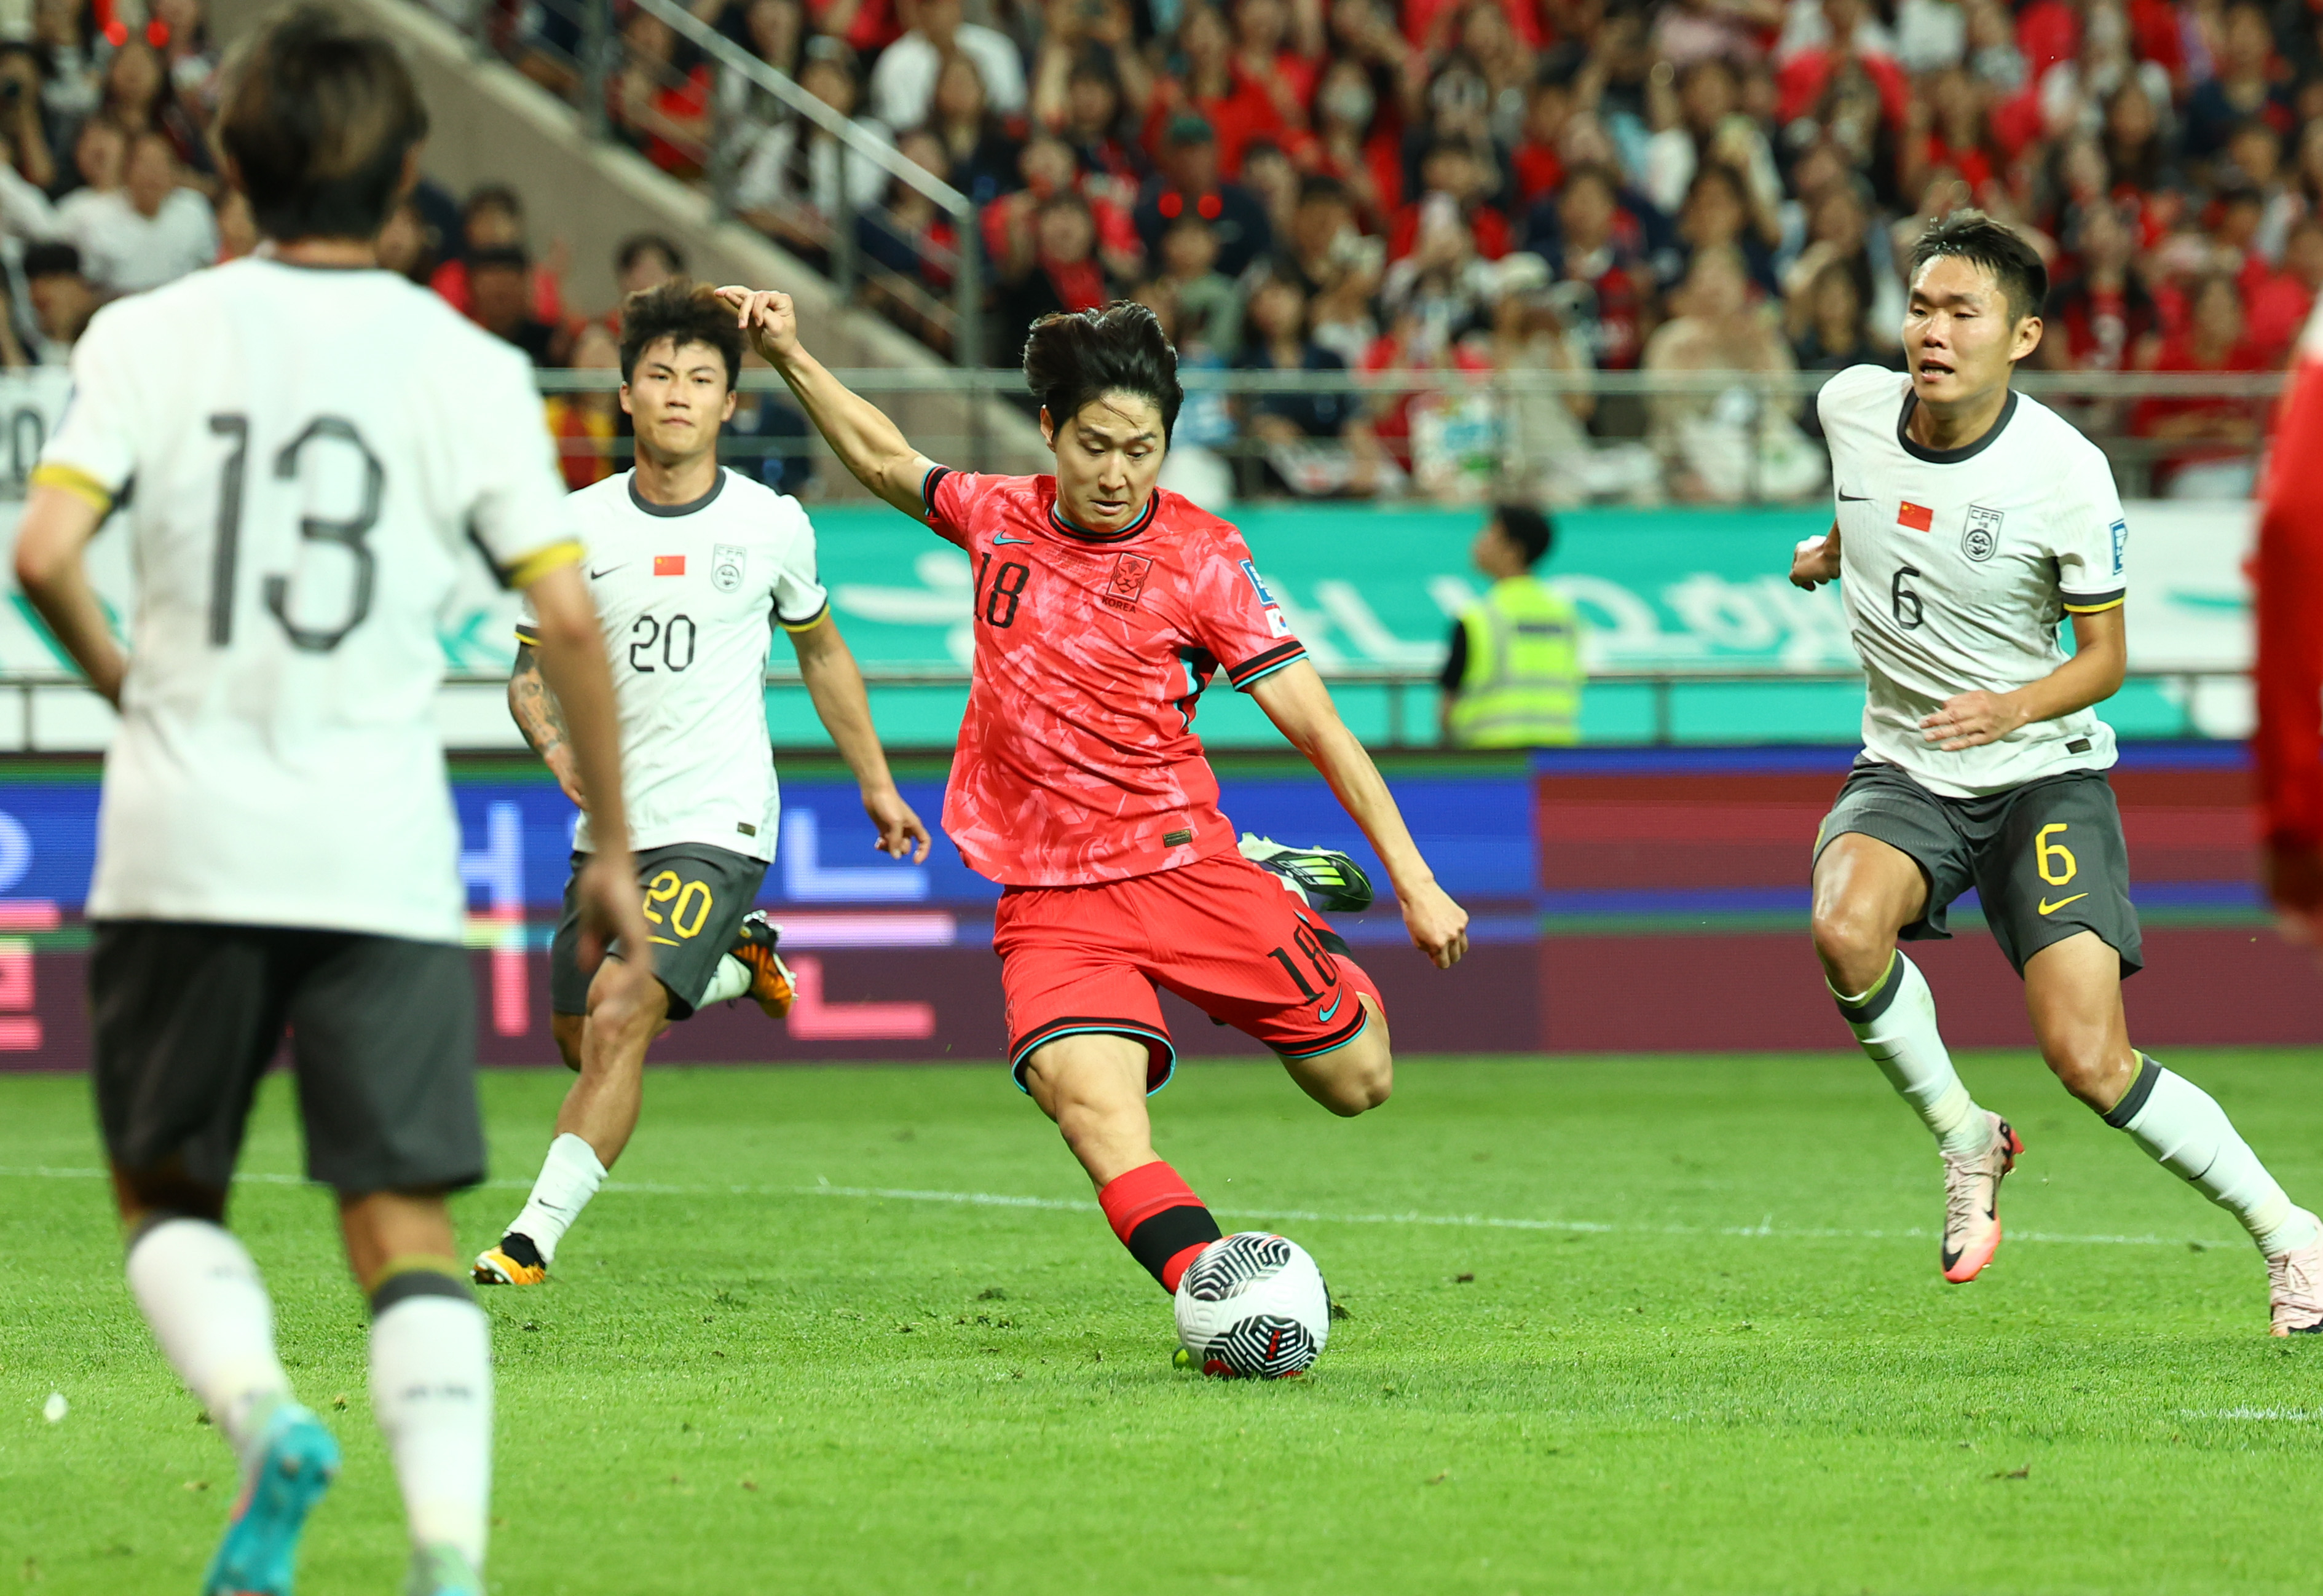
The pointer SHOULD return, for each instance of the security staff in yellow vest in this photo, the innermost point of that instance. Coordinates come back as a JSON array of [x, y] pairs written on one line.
[[1513, 679]]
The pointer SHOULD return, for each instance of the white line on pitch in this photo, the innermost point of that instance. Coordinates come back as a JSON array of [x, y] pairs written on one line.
[[990, 1199]]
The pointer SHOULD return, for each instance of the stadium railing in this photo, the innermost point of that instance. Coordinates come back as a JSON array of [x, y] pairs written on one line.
[[56, 714], [1491, 434]]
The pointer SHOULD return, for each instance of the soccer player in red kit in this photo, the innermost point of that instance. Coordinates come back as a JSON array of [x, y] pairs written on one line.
[[1103, 606], [2287, 581]]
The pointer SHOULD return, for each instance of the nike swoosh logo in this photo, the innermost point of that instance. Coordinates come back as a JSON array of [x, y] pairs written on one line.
[[1007, 539], [1323, 1016], [1855, 498], [596, 575], [2049, 908]]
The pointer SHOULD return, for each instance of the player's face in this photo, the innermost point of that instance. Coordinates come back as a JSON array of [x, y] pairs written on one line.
[[1960, 338], [1108, 458], [678, 396]]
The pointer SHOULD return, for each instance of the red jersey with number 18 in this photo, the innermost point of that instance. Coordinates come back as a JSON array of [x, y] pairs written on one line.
[[1078, 761]]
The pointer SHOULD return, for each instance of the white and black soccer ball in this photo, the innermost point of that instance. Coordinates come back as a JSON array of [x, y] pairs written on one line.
[[1254, 1306]]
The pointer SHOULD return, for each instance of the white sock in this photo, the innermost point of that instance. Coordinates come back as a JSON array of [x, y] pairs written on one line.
[[2189, 1134], [732, 980], [431, 1390], [201, 1293], [569, 1178], [1896, 1021]]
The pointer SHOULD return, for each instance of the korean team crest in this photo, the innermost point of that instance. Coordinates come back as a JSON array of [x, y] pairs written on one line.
[[1982, 537], [726, 562], [1128, 581]]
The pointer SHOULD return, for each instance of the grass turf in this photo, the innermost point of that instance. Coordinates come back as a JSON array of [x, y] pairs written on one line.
[[1712, 1354]]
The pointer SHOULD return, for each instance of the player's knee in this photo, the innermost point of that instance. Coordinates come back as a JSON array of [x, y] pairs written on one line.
[[2084, 1062], [1853, 945], [566, 1029], [625, 1022], [1362, 1079]]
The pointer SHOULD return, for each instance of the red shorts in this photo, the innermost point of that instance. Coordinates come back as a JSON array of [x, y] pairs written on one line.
[[1221, 934]]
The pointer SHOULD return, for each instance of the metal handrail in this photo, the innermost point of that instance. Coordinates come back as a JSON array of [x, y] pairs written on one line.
[[2060, 385], [1397, 680]]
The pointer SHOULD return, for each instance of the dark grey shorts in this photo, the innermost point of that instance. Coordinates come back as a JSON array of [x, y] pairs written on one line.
[[695, 897], [186, 1017], [2047, 859]]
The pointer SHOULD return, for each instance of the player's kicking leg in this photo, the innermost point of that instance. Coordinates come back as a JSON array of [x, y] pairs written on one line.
[[1094, 1086], [1866, 891], [2072, 990]]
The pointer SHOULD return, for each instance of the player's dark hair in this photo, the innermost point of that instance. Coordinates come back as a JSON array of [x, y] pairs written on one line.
[[317, 119], [1075, 356], [1527, 529], [1976, 238], [683, 313], [59, 259]]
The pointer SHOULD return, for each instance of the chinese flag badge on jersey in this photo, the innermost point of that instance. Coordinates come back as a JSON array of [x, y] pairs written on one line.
[[675, 565], [1919, 518]]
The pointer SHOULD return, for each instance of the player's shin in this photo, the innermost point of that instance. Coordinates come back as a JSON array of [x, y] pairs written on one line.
[[569, 1178], [1895, 1022], [200, 1290], [431, 1381], [2182, 1128], [1159, 1219]]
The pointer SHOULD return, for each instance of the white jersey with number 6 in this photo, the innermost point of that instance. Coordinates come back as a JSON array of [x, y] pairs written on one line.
[[304, 459], [689, 596], [1957, 566]]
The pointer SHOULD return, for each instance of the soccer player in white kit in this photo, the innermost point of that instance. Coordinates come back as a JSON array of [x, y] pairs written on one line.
[[693, 567], [1972, 522], [317, 448]]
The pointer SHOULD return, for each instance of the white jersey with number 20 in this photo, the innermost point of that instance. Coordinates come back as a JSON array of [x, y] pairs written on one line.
[[304, 458], [1958, 567]]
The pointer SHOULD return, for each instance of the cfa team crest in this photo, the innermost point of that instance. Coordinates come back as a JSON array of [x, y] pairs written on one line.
[[1982, 537], [726, 562]]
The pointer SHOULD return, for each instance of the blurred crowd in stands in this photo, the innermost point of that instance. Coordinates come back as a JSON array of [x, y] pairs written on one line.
[[1490, 185]]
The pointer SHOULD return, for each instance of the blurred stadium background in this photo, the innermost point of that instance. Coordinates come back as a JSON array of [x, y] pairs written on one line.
[[1585, 253]]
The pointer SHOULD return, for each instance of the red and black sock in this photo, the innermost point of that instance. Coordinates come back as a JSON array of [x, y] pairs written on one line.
[[1159, 1219]]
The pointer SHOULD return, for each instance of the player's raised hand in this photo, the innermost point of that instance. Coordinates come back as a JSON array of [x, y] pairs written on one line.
[[900, 828], [1815, 561], [1438, 926], [1972, 720], [605, 893], [767, 316]]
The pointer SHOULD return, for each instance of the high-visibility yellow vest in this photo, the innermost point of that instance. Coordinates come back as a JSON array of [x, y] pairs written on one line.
[[1523, 685]]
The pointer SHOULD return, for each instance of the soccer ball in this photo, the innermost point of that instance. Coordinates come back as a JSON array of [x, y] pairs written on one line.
[[1254, 1306]]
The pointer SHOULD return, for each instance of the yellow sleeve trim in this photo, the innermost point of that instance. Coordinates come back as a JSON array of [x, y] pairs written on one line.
[[55, 473], [820, 616], [541, 561], [527, 635], [2097, 608]]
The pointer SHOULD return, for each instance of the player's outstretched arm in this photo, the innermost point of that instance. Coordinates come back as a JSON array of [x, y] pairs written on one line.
[[534, 709], [50, 539], [1295, 699], [2094, 673], [858, 432], [835, 683], [572, 654]]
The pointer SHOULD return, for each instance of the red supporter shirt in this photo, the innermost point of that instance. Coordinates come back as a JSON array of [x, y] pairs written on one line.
[[1078, 761]]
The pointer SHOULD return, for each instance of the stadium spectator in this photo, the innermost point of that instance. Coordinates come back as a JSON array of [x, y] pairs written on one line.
[[1093, 118], [1209, 305], [65, 31], [492, 218], [2210, 443], [1316, 444], [1740, 443], [911, 249], [1268, 174], [904, 82], [980, 145], [149, 231], [774, 31], [646, 261], [2102, 318], [1064, 273], [1453, 189], [23, 120], [408, 246], [2245, 85], [659, 100], [799, 184], [1828, 329], [499, 289], [1188, 182], [585, 423], [62, 297], [138, 95], [1612, 307], [1512, 676], [1355, 140]]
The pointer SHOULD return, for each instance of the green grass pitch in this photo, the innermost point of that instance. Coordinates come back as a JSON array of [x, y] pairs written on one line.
[[1617, 1325]]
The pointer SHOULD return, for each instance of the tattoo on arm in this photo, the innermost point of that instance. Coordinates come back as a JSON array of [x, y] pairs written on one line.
[[533, 705]]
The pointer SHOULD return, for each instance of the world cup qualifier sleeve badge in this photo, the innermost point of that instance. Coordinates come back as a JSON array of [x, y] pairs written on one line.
[[726, 562], [1982, 537]]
